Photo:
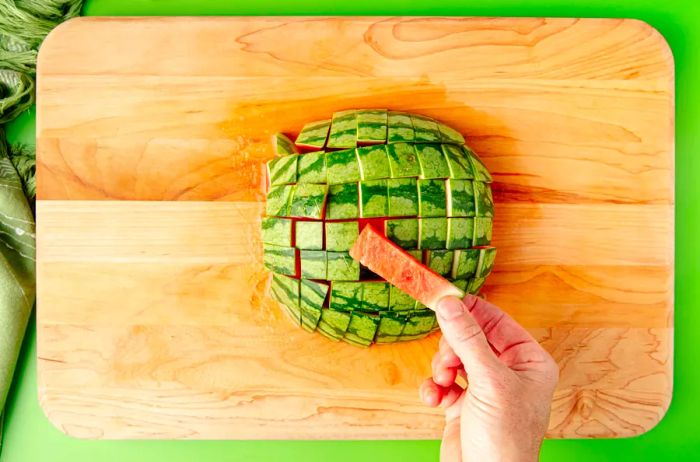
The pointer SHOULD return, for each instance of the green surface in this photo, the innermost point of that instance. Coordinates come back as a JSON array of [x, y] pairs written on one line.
[[30, 437]]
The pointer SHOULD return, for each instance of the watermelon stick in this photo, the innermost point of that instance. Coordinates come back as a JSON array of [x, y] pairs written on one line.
[[397, 266]]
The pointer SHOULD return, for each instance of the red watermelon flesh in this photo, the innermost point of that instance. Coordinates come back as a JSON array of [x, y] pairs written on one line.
[[391, 262]]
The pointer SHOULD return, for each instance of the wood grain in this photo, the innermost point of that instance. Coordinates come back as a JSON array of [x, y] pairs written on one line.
[[153, 319]]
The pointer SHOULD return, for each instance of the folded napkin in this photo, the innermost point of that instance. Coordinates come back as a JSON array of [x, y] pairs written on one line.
[[17, 268]]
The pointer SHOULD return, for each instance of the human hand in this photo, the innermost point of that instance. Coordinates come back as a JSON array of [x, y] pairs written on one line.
[[504, 412]]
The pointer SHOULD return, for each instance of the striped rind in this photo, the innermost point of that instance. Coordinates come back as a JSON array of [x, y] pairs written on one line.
[[403, 197], [282, 170], [440, 261], [432, 160], [342, 166], [309, 235], [375, 296], [313, 264], [432, 198], [283, 145], [278, 199], [311, 168], [404, 232], [280, 259], [460, 232], [403, 160], [343, 132], [308, 200], [460, 201], [343, 201], [483, 200], [372, 126], [374, 162], [346, 296], [433, 233], [375, 198], [314, 134], [342, 267], [400, 128], [361, 329], [425, 129], [333, 324], [276, 231], [340, 236]]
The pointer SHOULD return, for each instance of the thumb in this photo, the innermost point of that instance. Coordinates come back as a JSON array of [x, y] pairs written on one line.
[[464, 335]]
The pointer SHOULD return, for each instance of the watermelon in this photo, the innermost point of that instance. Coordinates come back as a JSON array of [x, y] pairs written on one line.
[[283, 145], [403, 194], [395, 265]]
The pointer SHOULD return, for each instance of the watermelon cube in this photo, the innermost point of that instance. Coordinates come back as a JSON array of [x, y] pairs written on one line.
[[483, 199], [432, 161], [276, 231], [341, 235], [342, 166], [311, 300], [375, 296], [439, 261], [312, 168], [400, 300], [280, 259], [482, 231], [309, 235], [418, 325], [361, 329], [374, 162], [425, 129], [400, 128], [460, 233], [343, 201], [343, 133], [285, 290], [346, 296], [487, 258], [403, 197], [403, 232], [460, 198], [309, 201], [278, 200], [283, 145], [342, 267], [403, 160], [282, 170], [313, 264], [433, 233], [314, 134], [450, 135], [460, 166], [475, 285], [481, 173], [467, 261], [375, 198], [372, 126], [390, 327], [432, 198], [333, 324]]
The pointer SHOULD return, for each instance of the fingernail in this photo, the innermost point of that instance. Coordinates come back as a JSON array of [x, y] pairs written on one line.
[[450, 307]]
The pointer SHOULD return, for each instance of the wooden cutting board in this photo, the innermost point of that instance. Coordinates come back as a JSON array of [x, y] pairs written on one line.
[[153, 318]]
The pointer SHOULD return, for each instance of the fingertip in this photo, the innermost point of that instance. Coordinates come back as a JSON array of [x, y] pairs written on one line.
[[430, 393], [445, 376]]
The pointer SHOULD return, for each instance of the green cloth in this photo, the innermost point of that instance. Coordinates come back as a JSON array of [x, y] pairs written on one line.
[[17, 267], [24, 25]]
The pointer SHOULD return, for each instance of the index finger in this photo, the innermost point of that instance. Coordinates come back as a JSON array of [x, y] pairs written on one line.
[[501, 330]]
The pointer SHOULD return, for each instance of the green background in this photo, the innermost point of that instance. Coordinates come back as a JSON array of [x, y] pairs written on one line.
[[30, 437]]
